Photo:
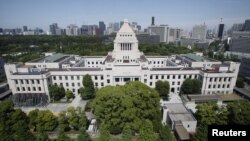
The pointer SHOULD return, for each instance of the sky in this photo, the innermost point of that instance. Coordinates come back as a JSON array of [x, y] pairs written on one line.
[[176, 13]]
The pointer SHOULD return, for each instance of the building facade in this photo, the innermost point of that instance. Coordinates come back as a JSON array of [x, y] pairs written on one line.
[[124, 63], [199, 32]]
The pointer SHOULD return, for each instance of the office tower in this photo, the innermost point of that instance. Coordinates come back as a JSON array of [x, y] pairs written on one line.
[[237, 27], [25, 28], [102, 27], [153, 21], [220, 31], [52, 28], [116, 27], [246, 26], [72, 30], [199, 32], [121, 23]]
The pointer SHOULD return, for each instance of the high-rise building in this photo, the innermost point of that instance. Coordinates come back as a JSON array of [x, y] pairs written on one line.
[[102, 27], [220, 31], [72, 30], [25, 28], [246, 26], [199, 32], [52, 28], [237, 27], [153, 21], [121, 23]]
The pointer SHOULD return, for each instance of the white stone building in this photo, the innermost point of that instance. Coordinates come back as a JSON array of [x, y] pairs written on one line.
[[124, 63]]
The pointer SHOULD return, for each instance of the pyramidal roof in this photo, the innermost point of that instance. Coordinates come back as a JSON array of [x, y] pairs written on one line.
[[126, 27]]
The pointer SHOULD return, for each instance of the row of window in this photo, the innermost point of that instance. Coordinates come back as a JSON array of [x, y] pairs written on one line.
[[219, 79], [27, 81], [218, 86], [95, 62], [28, 89], [126, 46], [218, 92], [173, 76], [156, 62], [73, 77]]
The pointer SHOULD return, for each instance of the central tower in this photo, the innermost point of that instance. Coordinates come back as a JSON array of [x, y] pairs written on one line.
[[125, 45]]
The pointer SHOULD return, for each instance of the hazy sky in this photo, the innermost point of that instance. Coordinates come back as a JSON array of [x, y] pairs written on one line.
[[176, 13]]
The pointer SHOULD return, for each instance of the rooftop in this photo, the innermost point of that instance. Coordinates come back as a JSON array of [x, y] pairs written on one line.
[[197, 58]]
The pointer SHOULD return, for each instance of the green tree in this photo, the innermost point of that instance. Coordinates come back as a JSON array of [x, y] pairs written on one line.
[[126, 134], [76, 118], [201, 133], [63, 121], [56, 93], [41, 135], [191, 86], [104, 133], [88, 91], [14, 123], [62, 136], [69, 94], [206, 113], [32, 118], [83, 135], [130, 105], [165, 133], [162, 87], [239, 112], [240, 83], [46, 120], [146, 132]]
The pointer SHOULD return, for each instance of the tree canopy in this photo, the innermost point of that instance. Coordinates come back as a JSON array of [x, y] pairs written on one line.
[[146, 132], [131, 105], [56, 92], [191, 86], [88, 90], [239, 112], [14, 123], [162, 87], [240, 83]]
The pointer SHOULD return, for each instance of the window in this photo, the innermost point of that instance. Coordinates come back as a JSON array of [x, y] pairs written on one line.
[[66, 77], [16, 81], [229, 79], [173, 76], [209, 86], [219, 86], [108, 81], [92, 63], [27, 81], [73, 90], [190, 76], [215, 79], [150, 83], [18, 89], [73, 84], [32, 81], [78, 84], [184, 76], [179, 83], [101, 77], [168, 77], [54, 78], [151, 77], [67, 84], [117, 79], [210, 79], [173, 83], [96, 84], [39, 89], [21, 81], [72, 77], [223, 86], [145, 80], [228, 85], [96, 78], [34, 88], [37, 81], [61, 84], [28, 88], [179, 76], [225, 79], [214, 86], [162, 76], [102, 84], [156, 76], [78, 77]]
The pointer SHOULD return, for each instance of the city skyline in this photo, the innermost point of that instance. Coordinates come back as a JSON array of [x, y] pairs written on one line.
[[180, 14]]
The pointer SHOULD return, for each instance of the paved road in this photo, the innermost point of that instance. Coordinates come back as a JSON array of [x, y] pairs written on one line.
[[58, 107]]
